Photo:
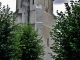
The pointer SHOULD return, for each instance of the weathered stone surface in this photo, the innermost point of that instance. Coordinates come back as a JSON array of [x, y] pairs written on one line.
[[41, 17]]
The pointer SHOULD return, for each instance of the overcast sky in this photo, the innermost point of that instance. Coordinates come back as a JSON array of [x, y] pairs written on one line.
[[57, 5], [11, 3]]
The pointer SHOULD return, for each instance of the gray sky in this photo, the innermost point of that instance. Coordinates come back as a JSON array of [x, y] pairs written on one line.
[[57, 5], [11, 3], [60, 1]]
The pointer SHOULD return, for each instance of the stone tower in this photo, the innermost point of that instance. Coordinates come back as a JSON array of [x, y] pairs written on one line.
[[41, 18]]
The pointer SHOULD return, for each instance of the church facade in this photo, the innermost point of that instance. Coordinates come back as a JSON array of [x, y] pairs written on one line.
[[41, 18]]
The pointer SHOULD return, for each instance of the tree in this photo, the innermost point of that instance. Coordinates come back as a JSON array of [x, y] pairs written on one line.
[[18, 42], [66, 33], [30, 44], [9, 44]]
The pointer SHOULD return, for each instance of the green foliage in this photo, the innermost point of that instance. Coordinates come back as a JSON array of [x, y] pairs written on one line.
[[18, 42], [66, 33], [8, 43], [30, 44]]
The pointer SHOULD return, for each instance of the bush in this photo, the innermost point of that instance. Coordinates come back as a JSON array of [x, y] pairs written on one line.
[[31, 44]]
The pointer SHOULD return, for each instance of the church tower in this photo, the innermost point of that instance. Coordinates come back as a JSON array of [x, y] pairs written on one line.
[[41, 18]]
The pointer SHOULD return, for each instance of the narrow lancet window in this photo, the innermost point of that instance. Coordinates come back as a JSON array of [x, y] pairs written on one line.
[[33, 2]]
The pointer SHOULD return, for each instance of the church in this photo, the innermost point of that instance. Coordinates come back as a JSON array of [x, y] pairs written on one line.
[[41, 17]]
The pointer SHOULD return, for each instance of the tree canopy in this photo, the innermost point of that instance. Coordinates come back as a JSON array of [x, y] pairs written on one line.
[[8, 43], [66, 33], [31, 45], [18, 41]]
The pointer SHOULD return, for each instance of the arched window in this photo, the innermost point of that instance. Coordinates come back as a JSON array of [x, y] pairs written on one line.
[[48, 42]]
